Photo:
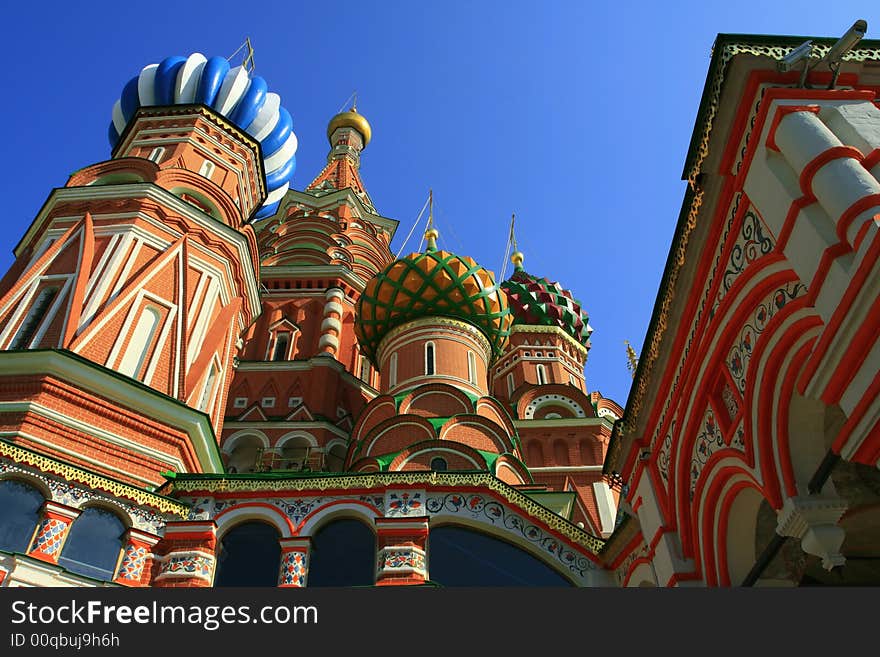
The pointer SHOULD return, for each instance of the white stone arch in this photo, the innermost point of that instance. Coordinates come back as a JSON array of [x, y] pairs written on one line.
[[242, 449], [504, 465], [642, 576], [338, 510], [294, 435], [741, 527], [253, 511], [434, 450], [231, 441], [555, 399], [30, 480], [109, 505]]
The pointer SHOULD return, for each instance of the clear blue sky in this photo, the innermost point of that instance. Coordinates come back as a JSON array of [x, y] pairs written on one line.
[[575, 115]]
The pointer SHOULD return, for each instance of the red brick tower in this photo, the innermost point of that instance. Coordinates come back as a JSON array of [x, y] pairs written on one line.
[[131, 288], [301, 379]]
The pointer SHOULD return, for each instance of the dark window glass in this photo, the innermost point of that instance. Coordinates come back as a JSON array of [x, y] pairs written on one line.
[[249, 556], [281, 344], [463, 557], [429, 359], [19, 513], [93, 544], [438, 464], [35, 315], [343, 554]]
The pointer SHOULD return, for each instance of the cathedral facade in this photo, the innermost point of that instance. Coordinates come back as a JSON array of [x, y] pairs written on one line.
[[210, 378]]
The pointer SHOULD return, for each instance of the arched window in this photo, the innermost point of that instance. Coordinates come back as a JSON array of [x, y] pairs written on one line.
[[343, 554], [244, 455], [542, 374], [19, 513], [510, 385], [429, 358], [366, 370], [249, 555], [464, 557], [94, 543], [439, 464], [392, 370], [34, 318], [472, 368], [139, 345], [282, 342], [207, 169], [157, 154]]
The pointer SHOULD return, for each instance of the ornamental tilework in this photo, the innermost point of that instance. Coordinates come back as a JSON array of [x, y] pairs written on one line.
[[709, 441], [401, 559], [50, 536], [744, 345], [188, 564], [294, 569], [405, 503], [64, 493], [133, 561]]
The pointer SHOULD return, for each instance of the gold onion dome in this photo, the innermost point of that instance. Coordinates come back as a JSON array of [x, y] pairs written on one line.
[[350, 119], [434, 283]]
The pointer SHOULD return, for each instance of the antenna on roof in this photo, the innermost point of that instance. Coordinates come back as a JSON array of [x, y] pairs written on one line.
[[249, 56]]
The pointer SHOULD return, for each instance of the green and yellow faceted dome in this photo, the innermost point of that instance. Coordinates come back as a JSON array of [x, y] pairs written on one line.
[[431, 284]]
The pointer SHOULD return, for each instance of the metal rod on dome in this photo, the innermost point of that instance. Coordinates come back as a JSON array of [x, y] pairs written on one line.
[[413, 229], [249, 58], [511, 238], [353, 96]]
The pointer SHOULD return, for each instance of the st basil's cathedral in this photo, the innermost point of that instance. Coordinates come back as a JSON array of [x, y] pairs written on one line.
[[211, 378]]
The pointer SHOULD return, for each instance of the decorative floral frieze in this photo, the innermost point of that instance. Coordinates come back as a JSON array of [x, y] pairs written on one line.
[[187, 564], [145, 519], [401, 560], [744, 345], [489, 511]]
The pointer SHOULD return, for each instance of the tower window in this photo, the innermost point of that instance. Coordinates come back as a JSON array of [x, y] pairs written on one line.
[[392, 370], [439, 464], [542, 374], [207, 169], [365, 370], [209, 386], [510, 385], [157, 154], [34, 317], [141, 339], [472, 368], [282, 342], [429, 358]]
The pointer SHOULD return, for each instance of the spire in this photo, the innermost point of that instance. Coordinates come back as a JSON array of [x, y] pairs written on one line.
[[431, 233], [349, 133], [632, 358]]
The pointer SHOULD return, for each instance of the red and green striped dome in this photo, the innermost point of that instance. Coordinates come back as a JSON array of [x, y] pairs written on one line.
[[540, 302], [431, 284]]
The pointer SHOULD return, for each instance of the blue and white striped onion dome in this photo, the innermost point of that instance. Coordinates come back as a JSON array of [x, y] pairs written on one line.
[[231, 92]]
